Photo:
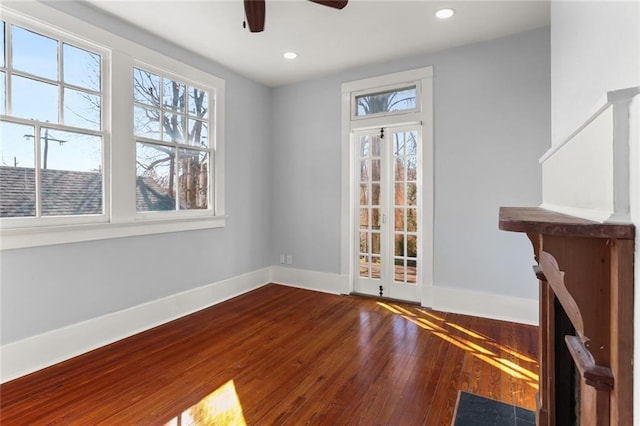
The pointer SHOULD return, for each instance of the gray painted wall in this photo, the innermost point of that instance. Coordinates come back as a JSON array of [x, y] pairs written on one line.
[[595, 49], [492, 123], [283, 188], [46, 288]]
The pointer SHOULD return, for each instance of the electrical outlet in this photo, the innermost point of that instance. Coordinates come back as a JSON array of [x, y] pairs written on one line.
[[282, 258], [289, 259]]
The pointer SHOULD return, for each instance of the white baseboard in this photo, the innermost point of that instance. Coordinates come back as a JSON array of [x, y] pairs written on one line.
[[34, 353], [37, 352], [311, 280], [485, 305], [447, 299]]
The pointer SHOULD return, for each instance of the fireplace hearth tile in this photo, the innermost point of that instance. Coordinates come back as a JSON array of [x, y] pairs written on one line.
[[475, 410]]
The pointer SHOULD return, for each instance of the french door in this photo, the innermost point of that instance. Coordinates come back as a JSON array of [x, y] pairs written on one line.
[[388, 211]]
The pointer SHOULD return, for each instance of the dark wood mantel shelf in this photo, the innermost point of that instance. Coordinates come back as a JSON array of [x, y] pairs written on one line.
[[585, 270], [541, 221]]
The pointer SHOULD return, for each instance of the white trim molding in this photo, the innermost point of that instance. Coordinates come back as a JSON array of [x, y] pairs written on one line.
[[37, 352], [485, 305], [588, 173], [324, 282]]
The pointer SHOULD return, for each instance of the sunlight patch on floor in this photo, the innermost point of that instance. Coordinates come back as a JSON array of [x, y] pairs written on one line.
[[479, 345], [221, 407]]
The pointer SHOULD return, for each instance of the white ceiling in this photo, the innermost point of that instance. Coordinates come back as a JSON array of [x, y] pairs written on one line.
[[326, 40]]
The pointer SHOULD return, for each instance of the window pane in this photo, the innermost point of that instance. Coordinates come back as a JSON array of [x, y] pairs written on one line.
[[3, 94], [173, 95], [34, 53], [81, 68], [82, 109], [146, 87], [146, 122], [17, 171], [71, 173], [2, 60], [193, 179], [155, 182], [389, 101], [198, 133], [23, 93], [173, 127], [198, 103]]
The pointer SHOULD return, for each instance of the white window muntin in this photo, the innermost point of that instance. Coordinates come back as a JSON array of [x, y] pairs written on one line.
[[383, 89], [210, 149], [62, 38]]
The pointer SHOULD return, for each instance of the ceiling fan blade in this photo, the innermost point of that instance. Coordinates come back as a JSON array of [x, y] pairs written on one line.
[[255, 12], [336, 4]]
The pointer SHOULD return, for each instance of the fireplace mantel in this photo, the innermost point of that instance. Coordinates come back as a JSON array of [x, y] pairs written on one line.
[[585, 270]]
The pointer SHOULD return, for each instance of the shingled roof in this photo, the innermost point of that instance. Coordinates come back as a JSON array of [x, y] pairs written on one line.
[[68, 193]]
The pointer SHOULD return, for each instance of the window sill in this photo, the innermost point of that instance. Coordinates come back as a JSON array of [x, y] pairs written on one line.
[[51, 235]]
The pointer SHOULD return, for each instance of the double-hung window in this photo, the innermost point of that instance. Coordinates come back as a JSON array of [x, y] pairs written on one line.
[[173, 146], [51, 128], [101, 137]]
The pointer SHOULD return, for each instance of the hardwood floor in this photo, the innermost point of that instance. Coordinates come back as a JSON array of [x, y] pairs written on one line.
[[281, 355]]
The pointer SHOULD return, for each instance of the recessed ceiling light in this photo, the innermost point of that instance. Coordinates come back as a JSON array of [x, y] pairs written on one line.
[[290, 55], [445, 13]]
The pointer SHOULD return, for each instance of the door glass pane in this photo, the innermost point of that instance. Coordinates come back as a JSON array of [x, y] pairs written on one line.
[[411, 194], [364, 242], [364, 171], [399, 219], [364, 194], [364, 218], [399, 270], [375, 267], [411, 271], [17, 171], [364, 266], [375, 194], [375, 242], [375, 218], [399, 245], [71, 173], [412, 220], [375, 170]]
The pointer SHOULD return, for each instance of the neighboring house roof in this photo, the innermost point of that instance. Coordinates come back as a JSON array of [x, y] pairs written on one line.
[[67, 193]]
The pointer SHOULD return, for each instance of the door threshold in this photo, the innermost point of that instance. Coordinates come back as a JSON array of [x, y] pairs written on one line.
[[386, 299]]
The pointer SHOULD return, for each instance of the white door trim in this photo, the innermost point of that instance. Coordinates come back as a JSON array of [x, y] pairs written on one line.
[[424, 115]]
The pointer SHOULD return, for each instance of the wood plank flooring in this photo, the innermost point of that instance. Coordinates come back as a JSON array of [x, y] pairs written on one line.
[[281, 355]]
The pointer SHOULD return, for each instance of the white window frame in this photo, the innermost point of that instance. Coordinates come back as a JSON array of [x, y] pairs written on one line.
[[60, 37], [211, 209], [121, 218], [422, 78]]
